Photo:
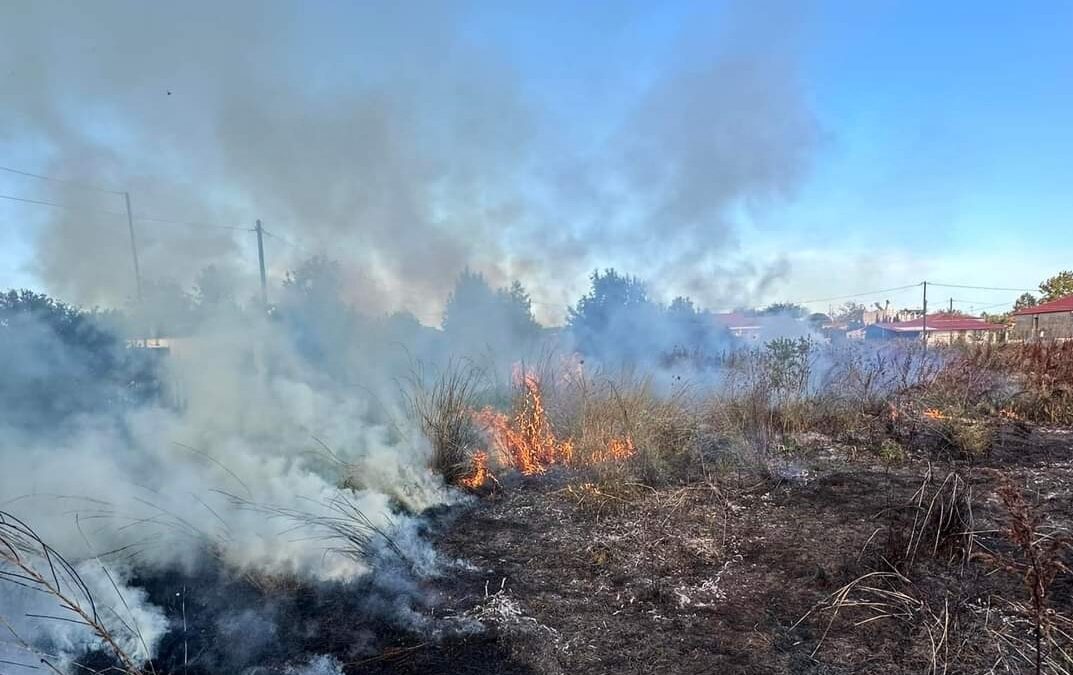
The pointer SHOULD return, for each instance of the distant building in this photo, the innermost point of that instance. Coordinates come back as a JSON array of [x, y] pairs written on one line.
[[941, 329], [759, 327], [1050, 321], [884, 314], [741, 325]]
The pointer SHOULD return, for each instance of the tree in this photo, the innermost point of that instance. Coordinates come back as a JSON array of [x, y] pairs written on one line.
[[321, 322], [317, 279], [214, 289], [478, 317], [849, 310], [786, 309], [617, 322], [1025, 301], [166, 310], [1058, 286], [60, 361]]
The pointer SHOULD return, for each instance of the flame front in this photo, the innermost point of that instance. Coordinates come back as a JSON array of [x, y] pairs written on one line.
[[934, 414], [527, 441], [480, 473]]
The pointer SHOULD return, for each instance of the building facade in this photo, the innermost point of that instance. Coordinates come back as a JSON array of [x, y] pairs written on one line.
[[1049, 321], [940, 329]]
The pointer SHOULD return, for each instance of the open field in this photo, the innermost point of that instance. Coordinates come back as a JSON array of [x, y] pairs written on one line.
[[806, 510], [743, 573]]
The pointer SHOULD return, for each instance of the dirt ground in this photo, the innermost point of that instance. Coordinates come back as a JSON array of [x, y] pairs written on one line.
[[736, 575]]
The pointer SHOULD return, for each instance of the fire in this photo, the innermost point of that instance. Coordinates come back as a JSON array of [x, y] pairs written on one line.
[[480, 473], [527, 441], [934, 414], [616, 450], [1008, 414]]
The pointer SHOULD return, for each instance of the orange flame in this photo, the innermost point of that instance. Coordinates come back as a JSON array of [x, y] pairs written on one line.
[[616, 450], [527, 441], [480, 473], [934, 414]]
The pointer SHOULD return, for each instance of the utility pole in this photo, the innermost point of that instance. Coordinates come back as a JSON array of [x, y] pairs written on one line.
[[261, 260], [924, 325], [951, 305], [133, 248]]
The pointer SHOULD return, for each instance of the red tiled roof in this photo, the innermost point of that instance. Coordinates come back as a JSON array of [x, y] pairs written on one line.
[[942, 322], [1060, 305]]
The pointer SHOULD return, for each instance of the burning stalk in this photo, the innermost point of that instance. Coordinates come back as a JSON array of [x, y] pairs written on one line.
[[480, 474]]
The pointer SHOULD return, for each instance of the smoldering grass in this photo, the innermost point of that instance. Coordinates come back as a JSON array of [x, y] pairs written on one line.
[[345, 529]]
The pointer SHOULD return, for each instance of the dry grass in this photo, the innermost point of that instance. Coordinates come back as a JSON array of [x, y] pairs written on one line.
[[28, 561], [443, 406], [1037, 559], [598, 410]]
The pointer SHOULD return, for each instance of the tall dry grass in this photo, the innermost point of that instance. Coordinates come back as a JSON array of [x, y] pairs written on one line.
[[443, 404]]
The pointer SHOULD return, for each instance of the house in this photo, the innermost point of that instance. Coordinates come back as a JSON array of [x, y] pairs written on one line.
[[885, 314], [1049, 321], [759, 327], [940, 328]]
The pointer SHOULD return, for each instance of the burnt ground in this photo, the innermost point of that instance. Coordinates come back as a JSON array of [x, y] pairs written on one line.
[[736, 574]]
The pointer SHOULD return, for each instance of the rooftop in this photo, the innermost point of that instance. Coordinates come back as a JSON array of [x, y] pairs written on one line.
[[940, 322], [1060, 305]]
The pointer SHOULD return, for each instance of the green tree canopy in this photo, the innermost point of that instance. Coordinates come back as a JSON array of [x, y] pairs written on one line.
[[1058, 286], [1024, 301]]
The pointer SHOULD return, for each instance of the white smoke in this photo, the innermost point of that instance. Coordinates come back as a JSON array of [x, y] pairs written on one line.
[[52, 633], [266, 467]]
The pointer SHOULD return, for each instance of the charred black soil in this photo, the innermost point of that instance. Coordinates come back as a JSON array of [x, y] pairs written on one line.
[[743, 573]]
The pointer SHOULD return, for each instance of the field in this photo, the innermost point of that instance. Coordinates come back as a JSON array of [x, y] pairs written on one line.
[[926, 531], [854, 569], [801, 508]]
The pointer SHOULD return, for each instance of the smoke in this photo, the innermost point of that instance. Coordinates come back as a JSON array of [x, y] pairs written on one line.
[[401, 139], [135, 624], [405, 144], [252, 462]]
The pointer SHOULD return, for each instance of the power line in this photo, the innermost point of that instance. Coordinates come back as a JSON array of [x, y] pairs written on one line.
[[285, 241], [166, 221], [997, 304], [141, 219], [58, 205], [88, 186], [989, 302], [985, 288], [856, 295]]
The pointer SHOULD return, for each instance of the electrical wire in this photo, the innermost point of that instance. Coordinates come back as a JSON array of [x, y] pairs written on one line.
[[139, 219], [58, 205], [856, 295], [983, 288], [285, 241], [88, 186]]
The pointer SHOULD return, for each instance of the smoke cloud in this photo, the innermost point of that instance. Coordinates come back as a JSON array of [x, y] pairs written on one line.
[[401, 139], [405, 144]]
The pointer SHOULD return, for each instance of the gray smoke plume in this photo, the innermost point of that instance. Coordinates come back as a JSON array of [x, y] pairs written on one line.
[[397, 138], [401, 142]]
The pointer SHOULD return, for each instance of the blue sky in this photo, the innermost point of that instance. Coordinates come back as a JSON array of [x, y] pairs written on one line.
[[942, 151]]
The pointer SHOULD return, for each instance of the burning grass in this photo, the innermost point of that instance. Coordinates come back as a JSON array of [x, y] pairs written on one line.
[[794, 508]]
